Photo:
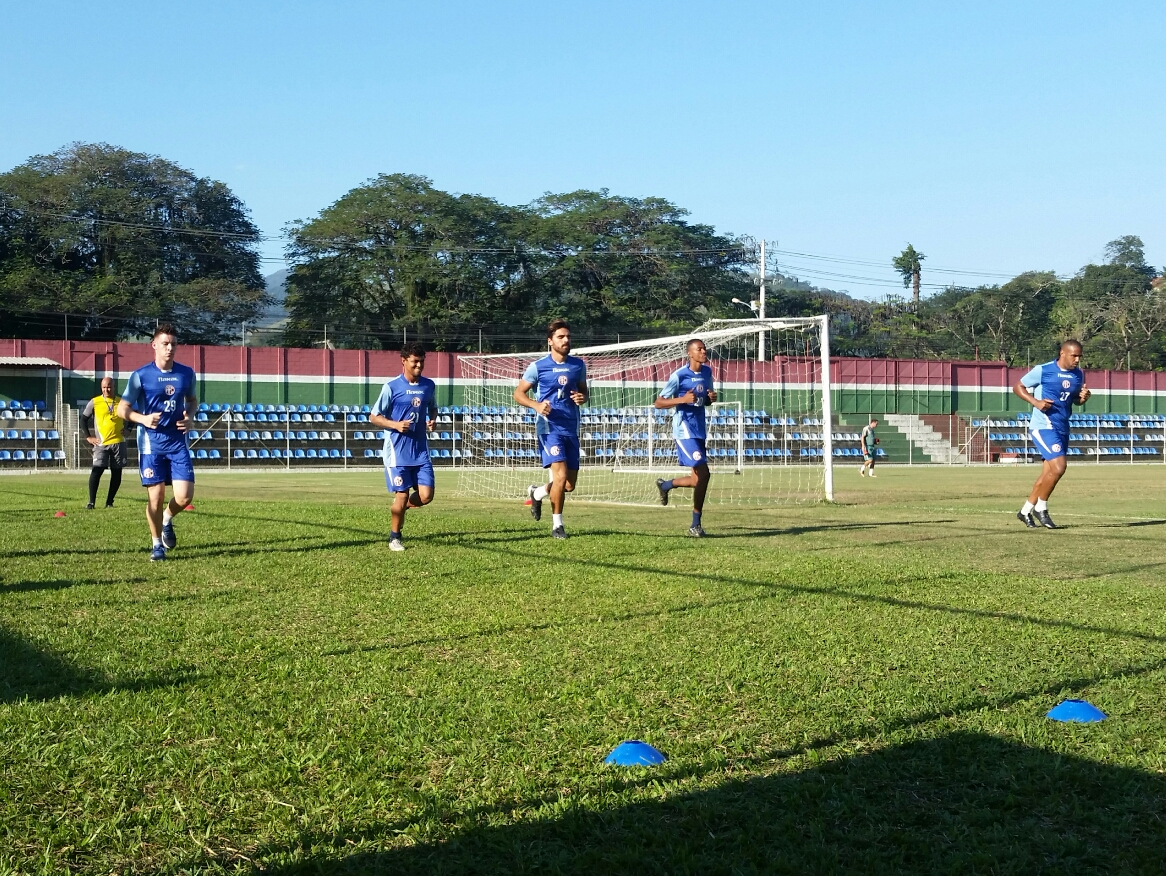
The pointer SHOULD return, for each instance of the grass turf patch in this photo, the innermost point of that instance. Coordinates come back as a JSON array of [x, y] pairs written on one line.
[[850, 687]]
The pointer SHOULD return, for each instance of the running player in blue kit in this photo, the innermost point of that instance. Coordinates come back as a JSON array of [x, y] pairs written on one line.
[[159, 399], [686, 393], [1052, 389], [559, 381], [405, 409]]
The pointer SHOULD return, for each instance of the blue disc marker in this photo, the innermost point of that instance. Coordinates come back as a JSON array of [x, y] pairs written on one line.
[[1077, 711], [633, 752]]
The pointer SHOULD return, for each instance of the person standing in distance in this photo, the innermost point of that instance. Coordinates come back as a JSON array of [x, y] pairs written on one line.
[[868, 439], [559, 381], [405, 409], [1052, 389], [109, 448], [159, 398], [687, 392]]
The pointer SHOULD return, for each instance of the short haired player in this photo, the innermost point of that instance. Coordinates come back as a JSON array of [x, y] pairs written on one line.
[[1052, 389], [869, 440], [159, 398], [405, 409], [559, 383], [686, 393]]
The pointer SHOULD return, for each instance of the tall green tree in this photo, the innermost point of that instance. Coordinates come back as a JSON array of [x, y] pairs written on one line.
[[121, 239], [397, 253], [909, 264]]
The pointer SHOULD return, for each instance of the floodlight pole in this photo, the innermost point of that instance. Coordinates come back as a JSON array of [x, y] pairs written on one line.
[[827, 410], [761, 308]]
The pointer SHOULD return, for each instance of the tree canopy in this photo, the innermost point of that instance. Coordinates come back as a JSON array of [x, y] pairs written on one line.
[[398, 254], [117, 240]]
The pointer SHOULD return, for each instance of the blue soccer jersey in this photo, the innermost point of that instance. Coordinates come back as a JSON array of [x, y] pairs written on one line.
[[1061, 385], [154, 391], [554, 382], [688, 421], [402, 400]]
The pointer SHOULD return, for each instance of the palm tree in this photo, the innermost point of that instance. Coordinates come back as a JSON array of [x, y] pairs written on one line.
[[909, 264]]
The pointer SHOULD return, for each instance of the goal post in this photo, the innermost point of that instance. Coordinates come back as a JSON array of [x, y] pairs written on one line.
[[770, 432]]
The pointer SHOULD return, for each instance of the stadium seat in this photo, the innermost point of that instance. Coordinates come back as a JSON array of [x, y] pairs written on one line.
[[5, 455], [347, 453], [17, 454], [299, 453], [26, 435], [200, 453], [264, 453], [238, 454], [368, 453], [276, 453], [46, 455], [214, 454]]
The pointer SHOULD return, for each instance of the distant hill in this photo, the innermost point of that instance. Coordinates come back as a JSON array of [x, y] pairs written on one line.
[[275, 316]]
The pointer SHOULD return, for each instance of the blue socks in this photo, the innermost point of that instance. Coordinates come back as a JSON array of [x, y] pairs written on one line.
[[667, 485], [395, 535], [696, 518]]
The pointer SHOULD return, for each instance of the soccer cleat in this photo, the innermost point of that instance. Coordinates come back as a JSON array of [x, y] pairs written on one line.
[[663, 492], [558, 532], [89, 506], [109, 504], [157, 554], [697, 532], [1044, 520], [872, 475], [395, 544], [169, 539], [862, 472], [1026, 519], [536, 505]]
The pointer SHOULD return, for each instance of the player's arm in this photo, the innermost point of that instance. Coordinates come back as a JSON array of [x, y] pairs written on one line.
[[711, 395], [1083, 394], [377, 418], [125, 407], [580, 393], [1022, 391], [522, 392], [87, 424], [187, 417], [668, 398], [431, 415]]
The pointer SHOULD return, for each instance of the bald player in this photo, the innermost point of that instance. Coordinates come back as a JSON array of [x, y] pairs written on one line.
[[109, 448]]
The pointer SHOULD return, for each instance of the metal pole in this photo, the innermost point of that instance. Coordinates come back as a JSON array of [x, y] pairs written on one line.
[[827, 412], [761, 308]]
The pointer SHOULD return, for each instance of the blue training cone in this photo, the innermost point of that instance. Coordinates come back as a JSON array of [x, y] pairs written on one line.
[[633, 752], [1076, 711]]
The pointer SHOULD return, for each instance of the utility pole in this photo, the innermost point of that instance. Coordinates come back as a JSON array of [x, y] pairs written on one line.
[[244, 333], [761, 308]]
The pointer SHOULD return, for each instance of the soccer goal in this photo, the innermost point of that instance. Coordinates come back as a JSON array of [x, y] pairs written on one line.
[[769, 433]]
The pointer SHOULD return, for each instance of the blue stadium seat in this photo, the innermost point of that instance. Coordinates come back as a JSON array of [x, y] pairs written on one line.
[[299, 453], [238, 454], [5, 455], [347, 453], [214, 454], [310, 453], [264, 453], [276, 453], [334, 453], [313, 436], [18, 454]]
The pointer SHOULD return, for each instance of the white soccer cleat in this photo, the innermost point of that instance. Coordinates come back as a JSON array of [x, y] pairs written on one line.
[[395, 544]]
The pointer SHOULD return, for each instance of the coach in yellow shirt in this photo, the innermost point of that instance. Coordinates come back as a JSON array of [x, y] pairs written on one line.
[[109, 448]]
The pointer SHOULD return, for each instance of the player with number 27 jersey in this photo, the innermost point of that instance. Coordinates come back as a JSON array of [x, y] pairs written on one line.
[[1050, 429]]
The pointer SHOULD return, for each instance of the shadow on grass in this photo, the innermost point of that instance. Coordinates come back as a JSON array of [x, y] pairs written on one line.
[[37, 673], [962, 803], [741, 532], [62, 584]]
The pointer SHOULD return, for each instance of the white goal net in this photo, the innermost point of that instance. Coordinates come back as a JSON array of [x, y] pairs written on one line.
[[769, 434]]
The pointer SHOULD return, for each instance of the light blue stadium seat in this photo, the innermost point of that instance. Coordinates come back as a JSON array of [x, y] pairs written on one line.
[[238, 454], [264, 453], [214, 454], [433, 454], [200, 453], [310, 453], [334, 453]]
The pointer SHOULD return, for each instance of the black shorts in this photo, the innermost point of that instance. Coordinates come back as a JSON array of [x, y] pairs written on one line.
[[110, 455]]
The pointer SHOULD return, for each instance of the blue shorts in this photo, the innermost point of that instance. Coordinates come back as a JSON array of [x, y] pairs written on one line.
[[691, 452], [402, 478], [1050, 443], [560, 448], [165, 467]]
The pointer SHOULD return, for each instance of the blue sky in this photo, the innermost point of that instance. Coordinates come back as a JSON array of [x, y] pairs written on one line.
[[995, 137]]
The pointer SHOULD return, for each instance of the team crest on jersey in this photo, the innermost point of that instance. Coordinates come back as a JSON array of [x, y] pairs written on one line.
[[696, 455], [562, 380], [1056, 448], [1066, 384], [398, 480], [417, 402], [554, 450], [169, 389], [147, 472]]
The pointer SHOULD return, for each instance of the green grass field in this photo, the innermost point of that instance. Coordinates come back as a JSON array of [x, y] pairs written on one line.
[[850, 688]]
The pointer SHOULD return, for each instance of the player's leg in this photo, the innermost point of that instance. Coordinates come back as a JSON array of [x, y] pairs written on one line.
[[155, 473], [423, 493], [117, 463], [1052, 450], [400, 481], [182, 477], [94, 482], [870, 466], [702, 475]]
